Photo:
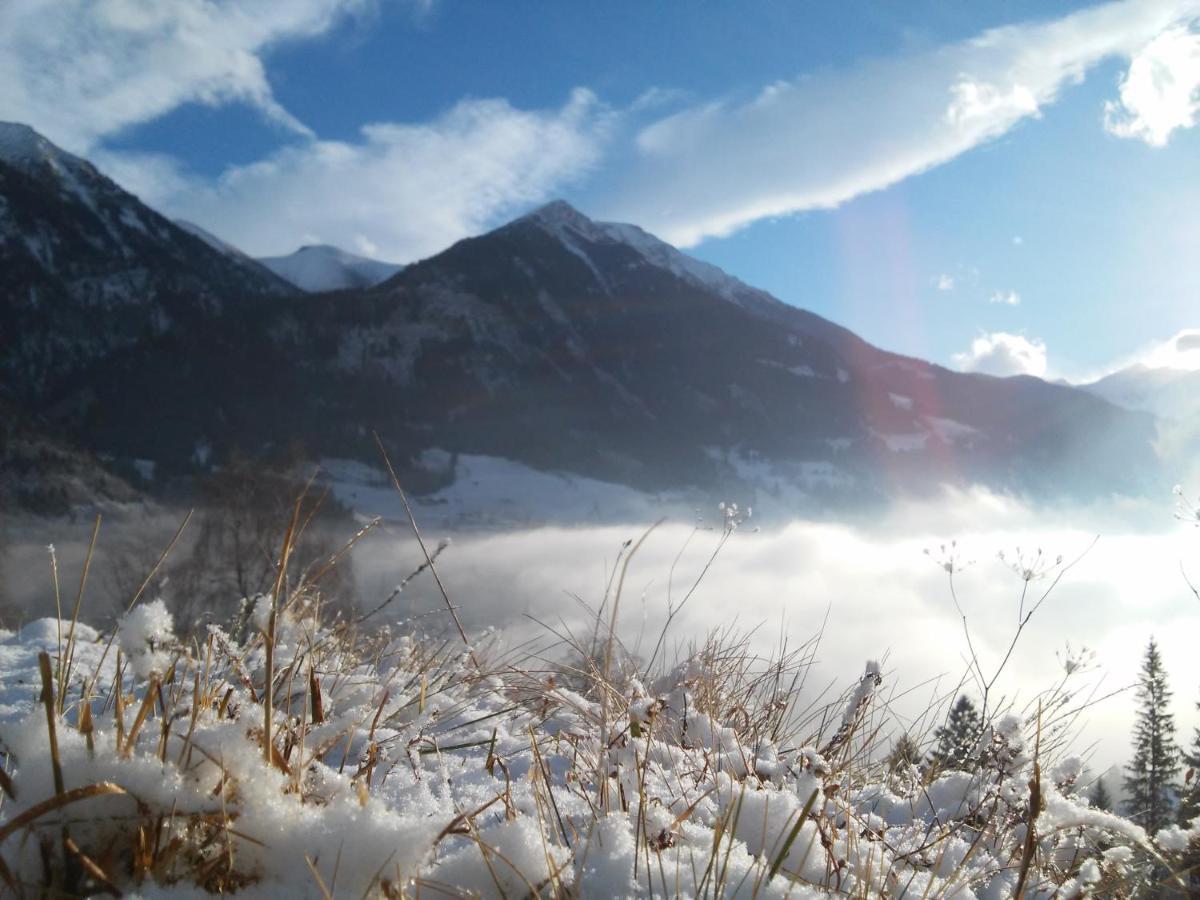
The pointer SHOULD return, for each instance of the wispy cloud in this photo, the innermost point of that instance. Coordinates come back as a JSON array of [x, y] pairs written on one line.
[[1005, 298], [406, 190], [1001, 353], [79, 70], [944, 282], [83, 70], [820, 140], [1161, 91]]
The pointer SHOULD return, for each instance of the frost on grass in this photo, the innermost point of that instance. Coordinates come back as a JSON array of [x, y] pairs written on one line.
[[392, 764]]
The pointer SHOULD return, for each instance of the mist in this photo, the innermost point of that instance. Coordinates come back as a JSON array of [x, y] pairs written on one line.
[[867, 587]]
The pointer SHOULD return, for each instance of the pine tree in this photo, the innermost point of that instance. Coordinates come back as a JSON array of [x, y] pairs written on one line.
[[1189, 804], [1150, 776], [1189, 809], [905, 752], [957, 739], [1099, 797]]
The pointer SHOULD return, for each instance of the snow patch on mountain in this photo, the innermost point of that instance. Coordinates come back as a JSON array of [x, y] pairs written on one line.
[[490, 492], [24, 148]]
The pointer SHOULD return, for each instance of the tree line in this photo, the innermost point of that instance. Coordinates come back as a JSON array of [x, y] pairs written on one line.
[[1161, 783]]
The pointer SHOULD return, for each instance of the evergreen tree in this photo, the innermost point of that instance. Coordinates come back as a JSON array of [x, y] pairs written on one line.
[[1189, 803], [1189, 808], [905, 752], [957, 739], [1100, 798], [1150, 776]]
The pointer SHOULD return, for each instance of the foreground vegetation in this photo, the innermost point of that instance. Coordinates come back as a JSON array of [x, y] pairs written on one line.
[[295, 751]]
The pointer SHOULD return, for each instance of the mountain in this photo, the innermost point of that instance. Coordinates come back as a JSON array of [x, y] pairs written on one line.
[[1168, 393], [215, 242], [570, 345], [320, 267], [43, 474], [87, 270], [556, 342]]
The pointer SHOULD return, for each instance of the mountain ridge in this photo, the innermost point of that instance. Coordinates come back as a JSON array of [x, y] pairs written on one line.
[[553, 340]]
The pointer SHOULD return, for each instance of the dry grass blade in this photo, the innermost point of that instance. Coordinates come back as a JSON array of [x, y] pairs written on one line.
[[142, 714], [272, 624], [66, 659], [51, 718], [90, 866], [35, 812], [312, 867], [412, 521], [793, 834]]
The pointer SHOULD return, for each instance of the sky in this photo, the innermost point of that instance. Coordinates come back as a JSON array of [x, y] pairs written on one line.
[[996, 187]]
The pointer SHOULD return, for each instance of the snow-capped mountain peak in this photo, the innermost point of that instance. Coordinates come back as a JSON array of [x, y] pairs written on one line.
[[573, 229], [322, 267], [24, 148]]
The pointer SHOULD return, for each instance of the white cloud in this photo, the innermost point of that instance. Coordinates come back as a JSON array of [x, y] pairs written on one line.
[[1001, 353], [1187, 342], [945, 282], [1161, 90], [78, 70], [820, 140], [402, 190], [1005, 298], [1180, 351]]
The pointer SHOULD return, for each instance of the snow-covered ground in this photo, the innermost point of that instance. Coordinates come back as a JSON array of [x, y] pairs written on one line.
[[388, 765], [489, 492]]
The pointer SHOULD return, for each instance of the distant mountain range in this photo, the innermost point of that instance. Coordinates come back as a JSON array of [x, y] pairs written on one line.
[[1168, 393], [555, 341]]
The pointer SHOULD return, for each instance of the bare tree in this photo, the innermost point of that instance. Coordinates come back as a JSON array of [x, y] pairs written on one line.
[[245, 511]]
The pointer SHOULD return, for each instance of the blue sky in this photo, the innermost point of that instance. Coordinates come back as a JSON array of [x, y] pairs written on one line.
[[1006, 187]]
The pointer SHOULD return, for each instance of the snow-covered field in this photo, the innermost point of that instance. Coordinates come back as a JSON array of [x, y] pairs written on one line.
[[387, 765]]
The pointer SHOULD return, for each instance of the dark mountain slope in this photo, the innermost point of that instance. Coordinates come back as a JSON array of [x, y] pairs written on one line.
[[86, 270]]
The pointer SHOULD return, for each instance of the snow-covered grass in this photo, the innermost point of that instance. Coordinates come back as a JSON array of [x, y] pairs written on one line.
[[293, 753]]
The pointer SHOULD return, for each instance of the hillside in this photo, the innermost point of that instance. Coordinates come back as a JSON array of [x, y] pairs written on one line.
[[555, 341]]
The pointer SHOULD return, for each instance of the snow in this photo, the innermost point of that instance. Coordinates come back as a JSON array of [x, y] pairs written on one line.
[[800, 371], [321, 267], [471, 770], [489, 491], [950, 431], [143, 634], [778, 488], [900, 401], [130, 218], [566, 224], [23, 147], [211, 239]]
